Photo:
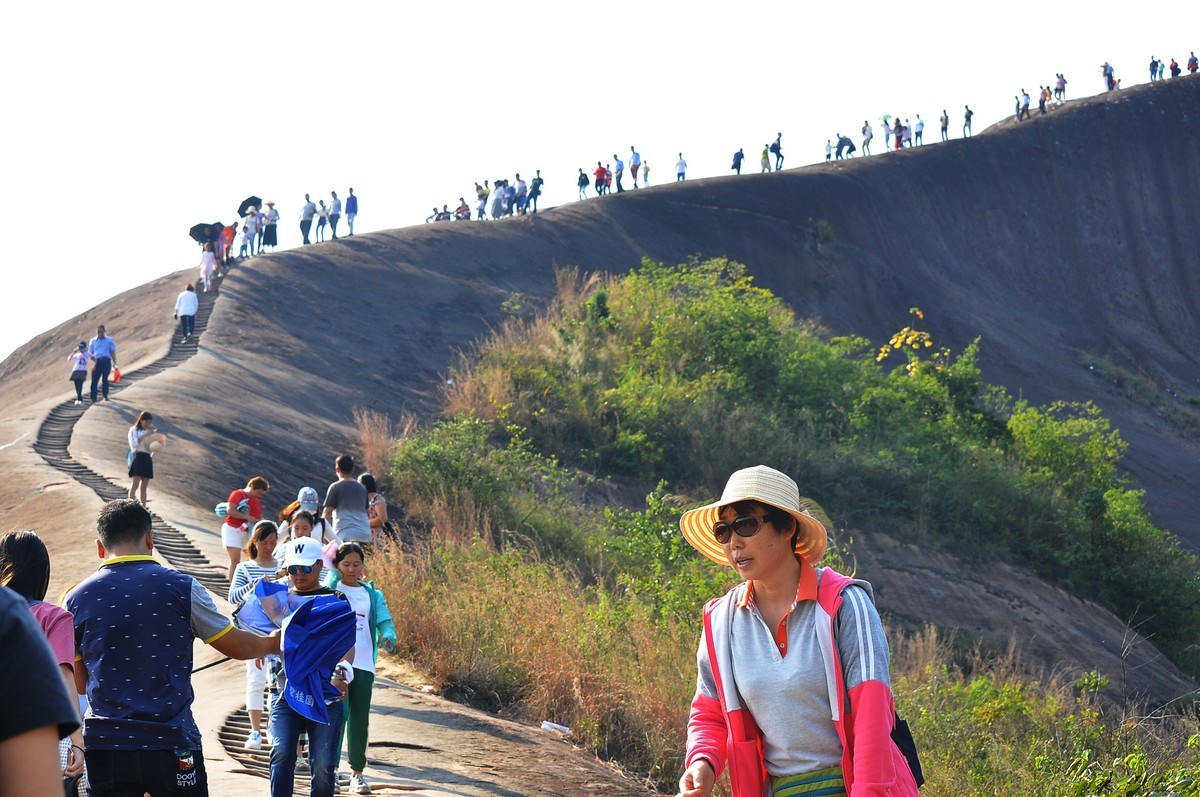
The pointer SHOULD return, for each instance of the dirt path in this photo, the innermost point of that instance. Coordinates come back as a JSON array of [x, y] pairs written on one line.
[[420, 743]]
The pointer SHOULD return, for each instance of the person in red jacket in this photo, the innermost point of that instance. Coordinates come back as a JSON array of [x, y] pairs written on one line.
[[793, 687], [245, 509]]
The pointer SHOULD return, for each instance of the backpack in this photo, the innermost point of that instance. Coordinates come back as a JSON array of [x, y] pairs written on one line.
[[901, 734], [775, 148]]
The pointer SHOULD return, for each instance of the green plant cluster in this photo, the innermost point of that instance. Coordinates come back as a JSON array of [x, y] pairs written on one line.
[[990, 733], [686, 373]]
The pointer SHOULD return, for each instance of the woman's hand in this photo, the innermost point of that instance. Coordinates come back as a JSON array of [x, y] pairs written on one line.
[[697, 781]]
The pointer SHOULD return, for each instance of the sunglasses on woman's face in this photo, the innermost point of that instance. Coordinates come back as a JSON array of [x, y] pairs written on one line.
[[305, 569], [745, 526]]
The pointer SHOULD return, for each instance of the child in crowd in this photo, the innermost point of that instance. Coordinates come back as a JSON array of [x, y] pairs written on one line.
[[374, 629]]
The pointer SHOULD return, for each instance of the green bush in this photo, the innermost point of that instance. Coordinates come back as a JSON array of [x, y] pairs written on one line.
[[687, 373]]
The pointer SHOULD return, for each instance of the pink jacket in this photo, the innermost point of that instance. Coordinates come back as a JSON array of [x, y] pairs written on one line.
[[872, 765]]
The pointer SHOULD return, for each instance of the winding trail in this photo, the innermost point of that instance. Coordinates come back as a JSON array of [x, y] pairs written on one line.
[[54, 438]]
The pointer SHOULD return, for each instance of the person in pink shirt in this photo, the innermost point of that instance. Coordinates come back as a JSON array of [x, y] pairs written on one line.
[[25, 569]]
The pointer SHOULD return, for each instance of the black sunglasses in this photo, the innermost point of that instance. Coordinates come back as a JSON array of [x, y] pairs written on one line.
[[745, 526], [305, 569]]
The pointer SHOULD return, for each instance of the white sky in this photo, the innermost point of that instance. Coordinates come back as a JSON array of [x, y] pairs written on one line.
[[127, 122]]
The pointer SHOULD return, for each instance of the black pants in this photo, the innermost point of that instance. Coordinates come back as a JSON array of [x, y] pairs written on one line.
[[133, 773], [187, 325], [305, 226], [333, 220], [100, 371], [79, 385]]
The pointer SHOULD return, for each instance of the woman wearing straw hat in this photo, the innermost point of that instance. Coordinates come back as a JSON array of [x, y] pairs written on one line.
[[793, 692]]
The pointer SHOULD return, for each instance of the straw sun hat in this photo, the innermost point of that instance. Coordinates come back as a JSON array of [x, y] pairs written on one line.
[[767, 486]]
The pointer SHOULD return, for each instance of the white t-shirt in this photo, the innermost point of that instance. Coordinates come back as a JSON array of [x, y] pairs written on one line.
[[187, 303], [681, 167], [364, 656]]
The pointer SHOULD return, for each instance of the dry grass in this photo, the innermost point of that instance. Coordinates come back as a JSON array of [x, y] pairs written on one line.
[[375, 440]]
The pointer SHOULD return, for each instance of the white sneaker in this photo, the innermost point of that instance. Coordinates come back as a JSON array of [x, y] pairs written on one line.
[[359, 785], [253, 741]]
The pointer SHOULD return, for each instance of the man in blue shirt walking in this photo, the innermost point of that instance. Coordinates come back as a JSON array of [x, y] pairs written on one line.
[[104, 350]]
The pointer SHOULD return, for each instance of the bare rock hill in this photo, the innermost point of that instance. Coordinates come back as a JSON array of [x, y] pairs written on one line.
[[1056, 240]]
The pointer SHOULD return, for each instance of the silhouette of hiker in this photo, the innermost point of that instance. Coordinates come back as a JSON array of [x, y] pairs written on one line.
[[635, 160], [967, 114], [766, 159], [680, 169], [619, 173], [1153, 69], [1024, 112], [582, 182], [737, 161], [351, 210], [945, 123], [868, 133], [919, 130], [306, 217], [777, 151], [535, 190]]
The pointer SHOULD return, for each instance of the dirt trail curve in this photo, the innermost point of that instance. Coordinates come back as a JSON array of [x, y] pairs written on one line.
[[54, 438], [463, 752]]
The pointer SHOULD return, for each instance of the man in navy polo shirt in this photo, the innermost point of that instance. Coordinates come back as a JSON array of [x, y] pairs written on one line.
[[135, 621]]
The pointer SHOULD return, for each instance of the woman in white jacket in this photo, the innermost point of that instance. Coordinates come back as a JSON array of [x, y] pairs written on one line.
[[187, 303]]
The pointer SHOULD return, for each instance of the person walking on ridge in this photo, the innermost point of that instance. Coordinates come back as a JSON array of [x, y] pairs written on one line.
[[351, 210], [1193, 64], [271, 227], [777, 151], [601, 175], [868, 133], [619, 172], [322, 219], [186, 306], [919, 130], [737, 161], [104, 354], [635, 161], [582, 182], [1024, 112], [335, 213], [1153, 69], [945, 123], [535, 189], [967, 114], [306, 217], [766, 159], [1060, 88], [680, 169]]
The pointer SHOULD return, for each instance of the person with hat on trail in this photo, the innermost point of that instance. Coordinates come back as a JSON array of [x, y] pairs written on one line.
[[292, 526], [793, 658], [304, 564], [245, 509], [79, 360]]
